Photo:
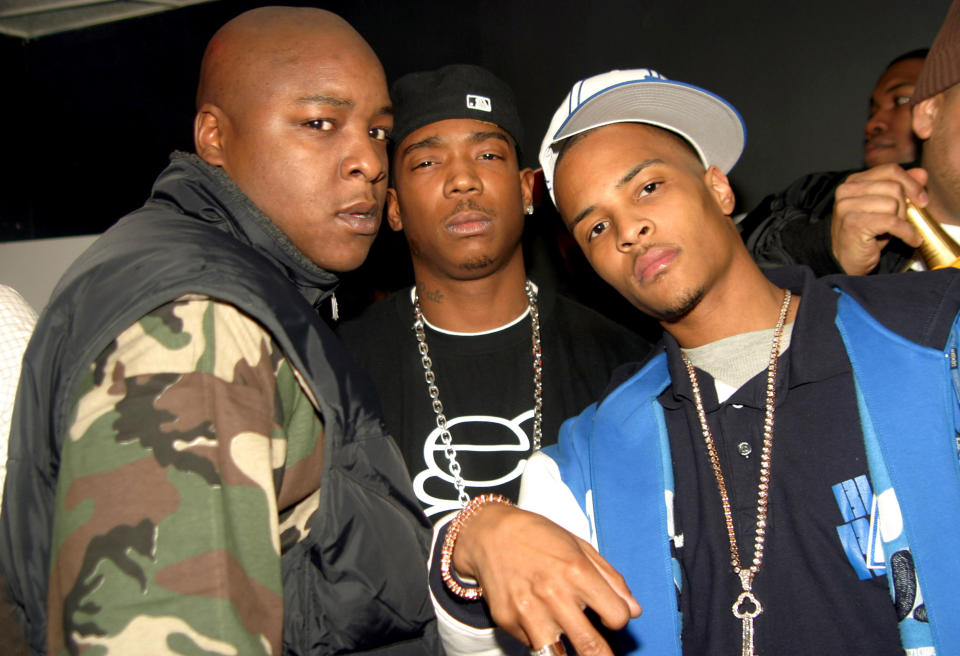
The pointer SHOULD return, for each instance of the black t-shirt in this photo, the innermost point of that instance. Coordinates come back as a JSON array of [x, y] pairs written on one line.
[[486, 387]]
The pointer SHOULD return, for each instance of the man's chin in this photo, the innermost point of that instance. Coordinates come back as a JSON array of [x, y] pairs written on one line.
[[677, 310], [477, 264], [344, 260]]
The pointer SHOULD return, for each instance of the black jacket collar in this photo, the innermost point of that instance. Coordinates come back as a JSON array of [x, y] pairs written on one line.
[[207, 193]]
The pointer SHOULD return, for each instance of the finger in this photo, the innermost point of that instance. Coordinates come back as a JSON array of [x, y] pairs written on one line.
[[881, 172], [921, 177], [556, 605], [858, 243], [580, 631], [888, 200], [876, 227], [613, 579], [890, 180], [553, 606], [537, 622], [588, 642], [906, 232], [526, 623], [594, 583], [874, 189]]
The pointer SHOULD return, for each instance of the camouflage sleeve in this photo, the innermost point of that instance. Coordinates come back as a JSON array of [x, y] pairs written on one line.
[[166, 535]]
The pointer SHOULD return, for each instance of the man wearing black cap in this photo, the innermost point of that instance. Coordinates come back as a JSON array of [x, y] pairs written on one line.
[[507, 360], [779, 477]]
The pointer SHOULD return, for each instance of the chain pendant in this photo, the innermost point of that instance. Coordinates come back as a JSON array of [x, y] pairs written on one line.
[[745, 608]]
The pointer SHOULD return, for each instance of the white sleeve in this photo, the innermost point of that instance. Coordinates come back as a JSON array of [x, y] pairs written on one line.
[[543, 491], [465, 627]]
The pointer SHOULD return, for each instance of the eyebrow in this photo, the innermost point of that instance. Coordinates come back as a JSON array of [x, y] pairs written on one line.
[[897, 86], [423, 143], [475, 137], [320, 99], [621, 183], [334, 101]]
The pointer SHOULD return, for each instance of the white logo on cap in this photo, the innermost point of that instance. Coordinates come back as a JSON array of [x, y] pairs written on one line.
[[481, 103]]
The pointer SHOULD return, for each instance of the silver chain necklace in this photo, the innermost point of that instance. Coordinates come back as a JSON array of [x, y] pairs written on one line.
[[747, 606], [448, 449]]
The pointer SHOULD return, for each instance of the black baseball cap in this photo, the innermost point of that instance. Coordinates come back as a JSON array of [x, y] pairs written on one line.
[[454, 91]]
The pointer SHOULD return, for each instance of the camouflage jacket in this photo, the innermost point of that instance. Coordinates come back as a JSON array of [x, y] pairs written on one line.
[[184, 508]]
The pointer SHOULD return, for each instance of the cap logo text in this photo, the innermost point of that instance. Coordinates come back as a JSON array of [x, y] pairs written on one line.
[[480, 103]]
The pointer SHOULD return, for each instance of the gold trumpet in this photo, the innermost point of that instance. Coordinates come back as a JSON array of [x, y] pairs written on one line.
[[938, 249]]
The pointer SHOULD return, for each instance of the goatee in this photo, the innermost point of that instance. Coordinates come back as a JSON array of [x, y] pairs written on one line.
[[682, 307]]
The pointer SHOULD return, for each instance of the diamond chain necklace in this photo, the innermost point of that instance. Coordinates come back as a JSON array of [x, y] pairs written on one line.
[[448, 449], [747, 606]]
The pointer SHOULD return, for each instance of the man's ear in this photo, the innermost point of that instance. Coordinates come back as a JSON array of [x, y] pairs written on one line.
[[527, 179], [925, 115], [393, 210], [208, 134], [719, 187]]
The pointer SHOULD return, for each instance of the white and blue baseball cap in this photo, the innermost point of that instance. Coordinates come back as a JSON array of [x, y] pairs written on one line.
[[642, 95]]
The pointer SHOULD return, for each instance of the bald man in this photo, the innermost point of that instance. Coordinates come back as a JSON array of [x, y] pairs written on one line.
[[195, 466]]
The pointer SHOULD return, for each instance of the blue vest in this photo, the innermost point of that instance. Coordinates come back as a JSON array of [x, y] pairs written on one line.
[[620, 450]]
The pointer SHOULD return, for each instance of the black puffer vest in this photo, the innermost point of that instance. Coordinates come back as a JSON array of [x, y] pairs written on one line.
[[199, 233]]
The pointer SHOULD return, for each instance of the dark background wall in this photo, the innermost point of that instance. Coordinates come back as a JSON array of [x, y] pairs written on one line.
[[88, 117]]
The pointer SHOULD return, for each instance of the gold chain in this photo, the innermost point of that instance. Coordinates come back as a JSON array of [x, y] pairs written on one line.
[[747, 606]]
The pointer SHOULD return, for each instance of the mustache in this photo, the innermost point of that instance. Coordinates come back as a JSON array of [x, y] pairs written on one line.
[[645, 249], [469, 204]]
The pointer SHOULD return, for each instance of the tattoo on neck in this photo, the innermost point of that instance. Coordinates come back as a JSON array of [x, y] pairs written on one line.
[[435, 296]]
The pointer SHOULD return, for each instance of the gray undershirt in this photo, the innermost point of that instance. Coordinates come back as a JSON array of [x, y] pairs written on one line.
[[732, 361]]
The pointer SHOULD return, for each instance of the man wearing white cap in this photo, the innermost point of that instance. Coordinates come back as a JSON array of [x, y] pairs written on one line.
[[780, 476]]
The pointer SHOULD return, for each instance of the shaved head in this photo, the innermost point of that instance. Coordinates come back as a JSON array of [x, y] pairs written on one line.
[[293, 106], [256, 43]]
